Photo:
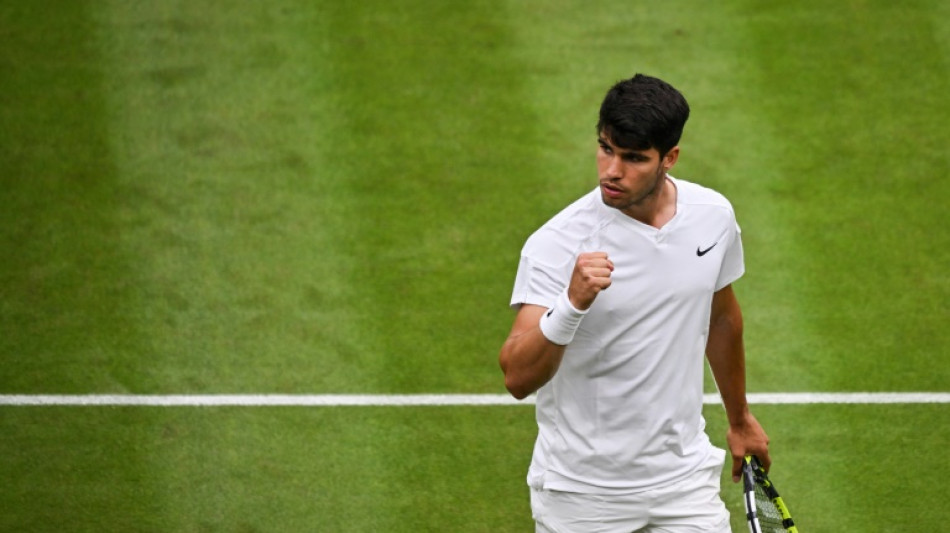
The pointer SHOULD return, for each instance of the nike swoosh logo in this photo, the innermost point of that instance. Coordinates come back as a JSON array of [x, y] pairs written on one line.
[[551, 312], [701, 253]]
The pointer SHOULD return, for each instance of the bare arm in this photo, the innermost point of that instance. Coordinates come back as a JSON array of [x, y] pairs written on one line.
[[726, 354], [528, 358]]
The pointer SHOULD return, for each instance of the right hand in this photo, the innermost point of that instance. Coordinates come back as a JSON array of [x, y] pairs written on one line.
[[591, 275]]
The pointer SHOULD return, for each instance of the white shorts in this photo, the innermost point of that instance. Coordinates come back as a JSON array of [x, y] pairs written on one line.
[[689, 505]]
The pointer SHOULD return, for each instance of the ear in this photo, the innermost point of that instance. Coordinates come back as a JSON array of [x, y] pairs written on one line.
[[671, 157]]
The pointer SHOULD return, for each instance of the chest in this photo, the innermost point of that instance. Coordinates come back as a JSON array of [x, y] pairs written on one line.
[[656, 268]]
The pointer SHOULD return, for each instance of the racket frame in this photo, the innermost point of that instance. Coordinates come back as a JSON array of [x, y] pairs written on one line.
[[753, 474]]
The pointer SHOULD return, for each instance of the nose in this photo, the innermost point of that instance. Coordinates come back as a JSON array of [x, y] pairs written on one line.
[[614, 168]]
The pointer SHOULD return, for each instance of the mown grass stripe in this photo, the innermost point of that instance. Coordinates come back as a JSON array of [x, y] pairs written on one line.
[[400, 400]]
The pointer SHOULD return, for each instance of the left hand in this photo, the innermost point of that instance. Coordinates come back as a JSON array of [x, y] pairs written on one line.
[[747, 438]]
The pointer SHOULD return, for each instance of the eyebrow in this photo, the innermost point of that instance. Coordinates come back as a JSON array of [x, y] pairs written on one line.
[[627, 153], [601, 140]]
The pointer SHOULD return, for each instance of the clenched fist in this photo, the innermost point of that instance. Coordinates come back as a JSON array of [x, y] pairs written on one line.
[[591, 275]]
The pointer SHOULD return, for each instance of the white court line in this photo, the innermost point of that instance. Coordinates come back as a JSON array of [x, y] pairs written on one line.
[[342, 400]]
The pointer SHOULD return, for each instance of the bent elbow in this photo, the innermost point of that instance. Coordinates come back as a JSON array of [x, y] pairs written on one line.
[[520, 386], [524, 374], [517, 390]]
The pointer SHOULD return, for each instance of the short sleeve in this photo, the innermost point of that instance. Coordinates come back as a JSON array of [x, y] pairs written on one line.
[[537, 284], [733, 262]]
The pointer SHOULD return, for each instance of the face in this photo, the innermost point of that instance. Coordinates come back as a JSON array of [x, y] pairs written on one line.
[[629, 179]]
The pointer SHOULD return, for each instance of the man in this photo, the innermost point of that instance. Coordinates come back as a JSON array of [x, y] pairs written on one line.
[[617, 298]]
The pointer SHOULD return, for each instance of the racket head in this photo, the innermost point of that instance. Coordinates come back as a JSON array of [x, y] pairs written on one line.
[[766, 512]]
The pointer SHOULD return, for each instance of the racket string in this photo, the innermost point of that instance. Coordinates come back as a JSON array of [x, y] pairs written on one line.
[[770, 518]]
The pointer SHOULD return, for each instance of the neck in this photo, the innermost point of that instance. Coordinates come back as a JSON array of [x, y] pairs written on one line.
[[656, 208]]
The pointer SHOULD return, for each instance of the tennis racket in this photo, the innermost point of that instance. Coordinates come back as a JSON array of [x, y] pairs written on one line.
[[765, 510]]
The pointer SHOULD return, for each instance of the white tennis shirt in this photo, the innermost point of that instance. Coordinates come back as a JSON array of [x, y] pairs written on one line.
[[623, 413]]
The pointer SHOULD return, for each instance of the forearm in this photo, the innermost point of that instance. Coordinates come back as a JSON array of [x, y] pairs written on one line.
[[726, 354]]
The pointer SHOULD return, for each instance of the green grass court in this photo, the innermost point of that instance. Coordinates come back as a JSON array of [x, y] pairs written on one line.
[[330, 197]]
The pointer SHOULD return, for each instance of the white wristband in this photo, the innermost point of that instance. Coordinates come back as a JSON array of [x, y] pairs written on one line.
[[560, 322]]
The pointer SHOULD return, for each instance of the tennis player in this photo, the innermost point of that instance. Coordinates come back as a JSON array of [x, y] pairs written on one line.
[[618, 297]]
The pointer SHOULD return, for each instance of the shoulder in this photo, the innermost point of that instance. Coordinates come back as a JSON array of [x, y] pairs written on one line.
[[693, 194]]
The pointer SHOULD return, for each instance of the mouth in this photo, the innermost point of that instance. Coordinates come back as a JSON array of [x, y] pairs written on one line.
[[611, 191]]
